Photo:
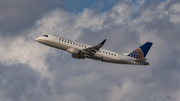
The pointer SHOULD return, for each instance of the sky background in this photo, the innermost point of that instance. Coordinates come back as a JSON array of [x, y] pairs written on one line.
[[30, 71]]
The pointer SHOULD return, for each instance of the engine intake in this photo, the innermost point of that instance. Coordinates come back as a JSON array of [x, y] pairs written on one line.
[[78, 54]]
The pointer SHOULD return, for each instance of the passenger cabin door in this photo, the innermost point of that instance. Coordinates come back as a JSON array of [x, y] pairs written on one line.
[[55, 39]]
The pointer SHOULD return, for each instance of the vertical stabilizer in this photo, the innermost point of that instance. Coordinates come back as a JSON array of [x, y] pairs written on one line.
[[141, 52]]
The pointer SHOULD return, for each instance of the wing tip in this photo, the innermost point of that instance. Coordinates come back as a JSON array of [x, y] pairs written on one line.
[[102, 43]]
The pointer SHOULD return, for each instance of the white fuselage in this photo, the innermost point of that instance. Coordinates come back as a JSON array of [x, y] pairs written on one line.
[[102, 54]]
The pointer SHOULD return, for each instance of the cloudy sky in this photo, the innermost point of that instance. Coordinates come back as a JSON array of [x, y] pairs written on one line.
[[30, 71]]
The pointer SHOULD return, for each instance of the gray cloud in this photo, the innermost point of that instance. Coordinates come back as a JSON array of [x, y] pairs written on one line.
[[34, 72], [19, 15], [17, 82]]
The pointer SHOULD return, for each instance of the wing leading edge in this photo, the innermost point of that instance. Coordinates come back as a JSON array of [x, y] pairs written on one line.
[[94, 49]]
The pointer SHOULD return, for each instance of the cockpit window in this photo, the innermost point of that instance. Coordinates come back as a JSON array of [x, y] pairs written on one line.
[[45, 35]]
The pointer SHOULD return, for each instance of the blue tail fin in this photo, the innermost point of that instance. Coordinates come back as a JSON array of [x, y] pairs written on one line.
[[141, 52]]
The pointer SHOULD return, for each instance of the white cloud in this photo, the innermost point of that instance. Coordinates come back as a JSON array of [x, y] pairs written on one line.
[[148, 14], [87, 19], [120, 93], [121, 13], [25, 50], [58, 22], [175, 8], [19, 50], [175, 13], [142, 82], [175, 18]]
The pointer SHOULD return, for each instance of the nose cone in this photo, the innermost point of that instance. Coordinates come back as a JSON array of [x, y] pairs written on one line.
[[37, 39]]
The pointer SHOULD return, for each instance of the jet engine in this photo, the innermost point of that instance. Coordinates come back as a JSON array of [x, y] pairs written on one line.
[[76, 53]]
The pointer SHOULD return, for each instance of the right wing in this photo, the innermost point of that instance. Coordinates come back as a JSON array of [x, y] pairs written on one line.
[[94, 49]]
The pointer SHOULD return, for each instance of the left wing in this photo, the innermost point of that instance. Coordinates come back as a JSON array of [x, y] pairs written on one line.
[[94, 49]]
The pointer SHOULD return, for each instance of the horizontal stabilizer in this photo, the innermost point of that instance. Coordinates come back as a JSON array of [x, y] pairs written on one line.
[[125, 53], [140, 60]]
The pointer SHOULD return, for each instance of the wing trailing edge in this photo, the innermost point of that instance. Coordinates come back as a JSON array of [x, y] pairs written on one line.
[[94, 49]]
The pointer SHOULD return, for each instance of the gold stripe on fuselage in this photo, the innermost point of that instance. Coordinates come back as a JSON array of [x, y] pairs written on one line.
[[59, 46]]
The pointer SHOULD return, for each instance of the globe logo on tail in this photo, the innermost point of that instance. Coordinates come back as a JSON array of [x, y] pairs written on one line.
[[138, 54]]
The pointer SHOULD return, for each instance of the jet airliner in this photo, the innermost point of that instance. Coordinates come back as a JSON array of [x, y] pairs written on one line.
[[82, 51]]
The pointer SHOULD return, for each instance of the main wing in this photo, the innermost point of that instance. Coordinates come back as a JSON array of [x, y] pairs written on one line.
[[92, 50]]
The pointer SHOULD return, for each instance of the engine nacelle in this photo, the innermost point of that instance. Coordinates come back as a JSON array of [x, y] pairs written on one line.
[[76, 53]]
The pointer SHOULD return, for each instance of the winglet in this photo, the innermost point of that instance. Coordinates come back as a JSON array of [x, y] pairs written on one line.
[[94, 49], [102, 43]]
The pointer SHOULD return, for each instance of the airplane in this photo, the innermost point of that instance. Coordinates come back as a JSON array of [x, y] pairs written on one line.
[[82, 51]]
